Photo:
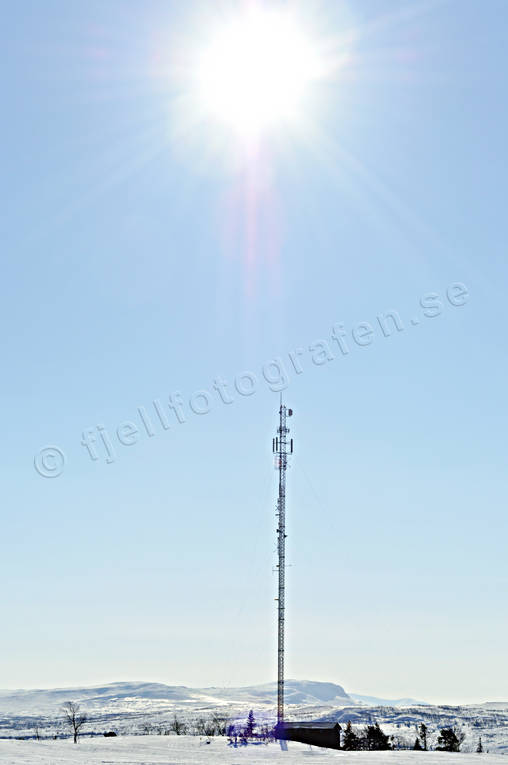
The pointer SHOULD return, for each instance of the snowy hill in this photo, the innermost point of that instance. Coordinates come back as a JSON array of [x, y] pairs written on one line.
[[296, 692], [375, 701], [137, 707], [45, 701], [116, 696]]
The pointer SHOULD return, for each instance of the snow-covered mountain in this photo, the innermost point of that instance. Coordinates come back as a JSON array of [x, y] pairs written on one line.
[[295, 692], [136, 707], [375, 701], [45, 701], [158, 696]]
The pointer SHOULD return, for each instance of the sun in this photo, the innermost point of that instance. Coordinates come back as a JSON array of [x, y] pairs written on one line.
[[255, 72]]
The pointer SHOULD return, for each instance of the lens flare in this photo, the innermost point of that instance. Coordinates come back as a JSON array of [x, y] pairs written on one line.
[[256, 71]]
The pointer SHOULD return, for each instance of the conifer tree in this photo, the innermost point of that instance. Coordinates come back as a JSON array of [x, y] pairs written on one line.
[[423, 735], [350, 742], [251, 724], [374, 739], [449, 740]]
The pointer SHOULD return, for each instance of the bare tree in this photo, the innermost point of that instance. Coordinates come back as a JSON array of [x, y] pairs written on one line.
[[201, 727], [177, 726], [220, 723], [74, 717], [209, 728]]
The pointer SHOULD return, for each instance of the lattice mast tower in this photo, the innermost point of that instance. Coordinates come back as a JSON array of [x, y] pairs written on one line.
[[282, 448]]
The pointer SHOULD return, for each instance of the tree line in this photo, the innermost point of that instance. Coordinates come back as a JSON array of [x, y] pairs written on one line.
[[372, 738], [368, 738]]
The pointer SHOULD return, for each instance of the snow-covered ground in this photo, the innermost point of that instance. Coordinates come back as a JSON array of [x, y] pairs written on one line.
[[190, 750], [142, 708]]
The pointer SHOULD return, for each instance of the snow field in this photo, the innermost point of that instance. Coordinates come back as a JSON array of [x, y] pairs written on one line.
[[191, 750]]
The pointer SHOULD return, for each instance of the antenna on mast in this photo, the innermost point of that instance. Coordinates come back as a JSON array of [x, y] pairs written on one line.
[[282, 449]]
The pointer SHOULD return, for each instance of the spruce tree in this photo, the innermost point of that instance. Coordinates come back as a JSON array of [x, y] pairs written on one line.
[[251, 724], [449, 740], [350, 742], [374, 738], [417, 746], [479, 748], [423, 735]]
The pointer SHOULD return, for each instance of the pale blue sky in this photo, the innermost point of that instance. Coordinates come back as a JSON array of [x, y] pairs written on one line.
[[127, 277]]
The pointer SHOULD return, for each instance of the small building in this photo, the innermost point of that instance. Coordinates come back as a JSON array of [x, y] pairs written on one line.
[[315, 733]]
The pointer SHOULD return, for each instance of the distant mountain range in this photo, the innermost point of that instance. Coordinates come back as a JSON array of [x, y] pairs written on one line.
[[116, 697], [374, 701]]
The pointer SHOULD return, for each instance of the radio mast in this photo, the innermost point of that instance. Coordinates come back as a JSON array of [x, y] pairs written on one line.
[[281, 449]]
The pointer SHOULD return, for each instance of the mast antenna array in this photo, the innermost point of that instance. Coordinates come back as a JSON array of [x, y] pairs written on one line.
[[282, 448]]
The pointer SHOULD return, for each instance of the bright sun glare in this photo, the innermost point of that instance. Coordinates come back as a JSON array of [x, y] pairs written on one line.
[[255, 72]]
